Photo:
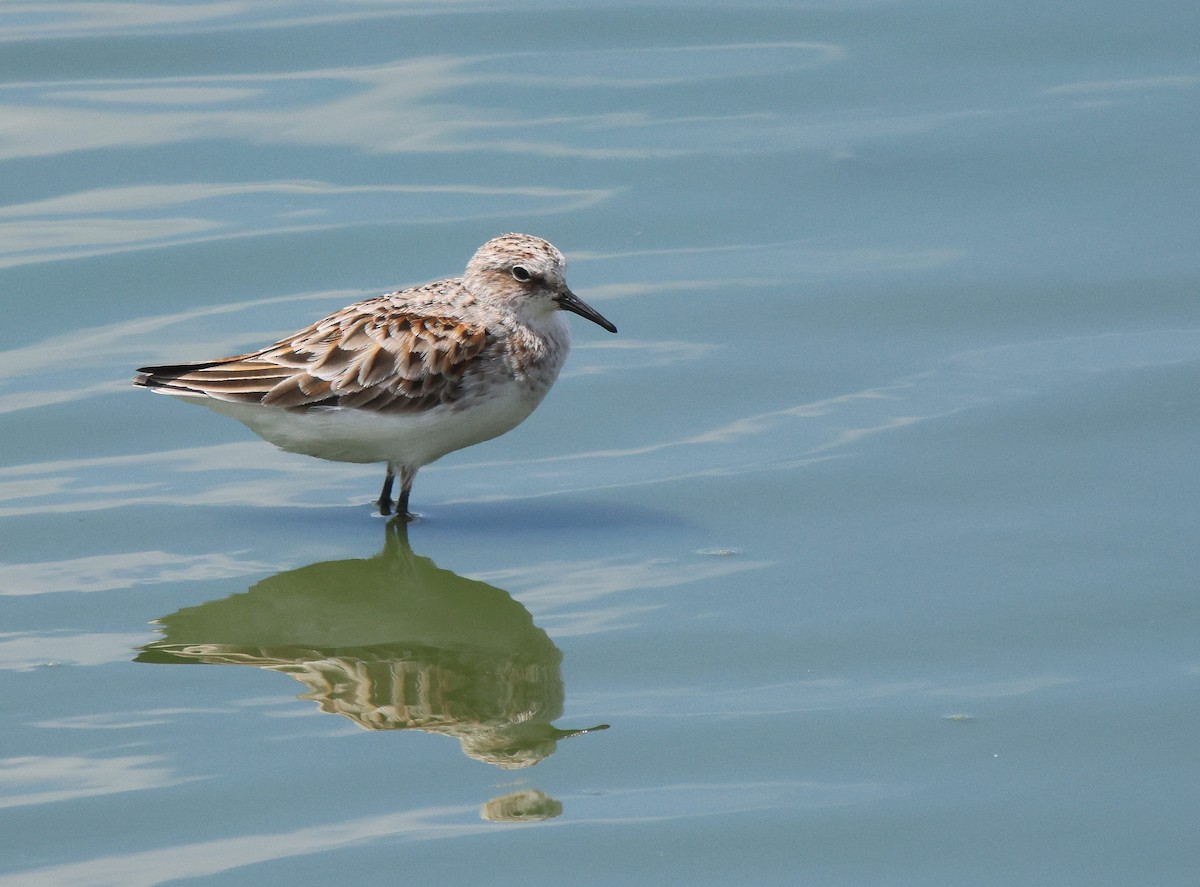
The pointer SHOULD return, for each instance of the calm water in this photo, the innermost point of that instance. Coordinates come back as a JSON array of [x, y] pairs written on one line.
[[872, 536]]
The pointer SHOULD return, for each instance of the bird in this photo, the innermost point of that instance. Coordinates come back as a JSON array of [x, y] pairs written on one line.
[[406, 377]]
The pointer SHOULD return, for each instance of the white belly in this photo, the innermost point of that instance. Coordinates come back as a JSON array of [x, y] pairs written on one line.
[[400, 439]]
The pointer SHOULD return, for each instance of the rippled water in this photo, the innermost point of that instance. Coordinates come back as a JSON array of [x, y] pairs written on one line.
[[871, 538]]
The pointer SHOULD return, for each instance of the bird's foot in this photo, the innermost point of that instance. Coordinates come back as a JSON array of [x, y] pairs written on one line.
[[385, 509]]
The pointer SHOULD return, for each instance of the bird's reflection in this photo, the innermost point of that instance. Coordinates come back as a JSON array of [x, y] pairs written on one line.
[[527, 805], [392, 642]]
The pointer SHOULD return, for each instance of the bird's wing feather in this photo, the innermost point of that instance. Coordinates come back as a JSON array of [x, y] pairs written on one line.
[[374, 355]]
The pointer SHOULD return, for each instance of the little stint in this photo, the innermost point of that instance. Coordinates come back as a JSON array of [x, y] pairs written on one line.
[[407, 377]]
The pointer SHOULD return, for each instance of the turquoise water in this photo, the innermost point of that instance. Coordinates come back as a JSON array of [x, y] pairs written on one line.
[[871, 537]]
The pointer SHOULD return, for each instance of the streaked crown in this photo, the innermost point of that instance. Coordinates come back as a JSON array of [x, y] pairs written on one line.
[[538, 257]]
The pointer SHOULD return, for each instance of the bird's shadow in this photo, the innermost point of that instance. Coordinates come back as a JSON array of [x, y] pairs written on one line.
[[542, 515]]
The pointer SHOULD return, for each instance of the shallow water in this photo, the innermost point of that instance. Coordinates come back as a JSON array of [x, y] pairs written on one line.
[[871, 535]]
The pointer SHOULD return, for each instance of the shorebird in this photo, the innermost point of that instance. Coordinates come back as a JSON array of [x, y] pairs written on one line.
[[407, 377]]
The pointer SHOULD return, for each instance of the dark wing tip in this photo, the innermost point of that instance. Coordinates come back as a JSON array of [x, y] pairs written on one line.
[[162, 376]]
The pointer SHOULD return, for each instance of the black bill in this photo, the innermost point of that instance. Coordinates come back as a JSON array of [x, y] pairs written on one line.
[[568, 301]]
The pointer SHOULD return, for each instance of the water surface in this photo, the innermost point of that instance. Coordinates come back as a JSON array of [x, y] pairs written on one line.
[[871, 536]]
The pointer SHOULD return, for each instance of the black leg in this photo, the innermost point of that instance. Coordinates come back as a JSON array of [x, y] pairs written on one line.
[[402, 503], [385, 497]]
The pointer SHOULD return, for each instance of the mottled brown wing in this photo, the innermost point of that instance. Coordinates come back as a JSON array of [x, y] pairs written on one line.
[[374, 355]]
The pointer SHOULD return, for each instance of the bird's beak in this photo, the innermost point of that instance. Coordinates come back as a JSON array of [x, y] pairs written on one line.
[[567, 734], [568, 301]]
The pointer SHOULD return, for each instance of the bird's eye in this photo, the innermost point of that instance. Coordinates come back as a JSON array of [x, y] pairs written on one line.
[[521, 273]]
